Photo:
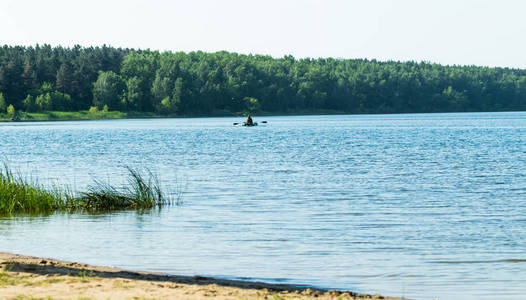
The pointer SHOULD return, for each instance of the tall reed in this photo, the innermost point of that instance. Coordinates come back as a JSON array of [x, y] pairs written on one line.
[[20, 195], [140, 193]]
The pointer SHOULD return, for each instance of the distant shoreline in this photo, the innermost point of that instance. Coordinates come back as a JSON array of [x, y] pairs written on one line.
[[29, 276], [111, 115], [118, 115]]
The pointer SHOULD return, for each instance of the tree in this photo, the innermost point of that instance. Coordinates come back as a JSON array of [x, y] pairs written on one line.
[[162, 88], [46, 88], [29, 75], [3, 83], [11, 110], [171, 104], [200, 83], [457, 100], [14, 83], [167, 106], [134, 96], [64, 78], [3, 104], [60, 101], [138, 70], [30, 104], [108, 90], [93, 110], [177, 94], [53, 101], [43, 102], [252, 104]]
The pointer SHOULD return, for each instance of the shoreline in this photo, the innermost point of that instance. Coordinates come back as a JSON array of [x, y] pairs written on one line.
[[57, 116], [23, 277], [118, 115]]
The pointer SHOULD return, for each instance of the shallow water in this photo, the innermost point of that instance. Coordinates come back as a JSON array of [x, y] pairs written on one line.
[[415, 205]]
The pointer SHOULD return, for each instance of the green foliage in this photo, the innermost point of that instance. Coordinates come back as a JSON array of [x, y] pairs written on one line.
[[201, 83], [171, 93], [64, 78], [11, 110], [46, 88], [53, 101], [134, 97], [30, 104], [108, 90], [83, 115], [61, 101], [43, 102], [162, 89], [3, 104], [93, 110], [252, 104], [456, 100], [167, 106], [138, 69]]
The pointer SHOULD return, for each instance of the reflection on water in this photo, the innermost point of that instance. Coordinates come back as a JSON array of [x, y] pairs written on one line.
[[417, 205]]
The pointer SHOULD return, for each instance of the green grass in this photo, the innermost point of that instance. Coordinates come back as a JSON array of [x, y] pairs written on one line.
[[139, 193], [19, 195], [77, 115]]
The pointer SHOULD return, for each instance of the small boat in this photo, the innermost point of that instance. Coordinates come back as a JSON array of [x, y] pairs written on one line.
[[249, 125]]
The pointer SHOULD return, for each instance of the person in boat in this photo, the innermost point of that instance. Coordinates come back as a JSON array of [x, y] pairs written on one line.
[[249, 121]]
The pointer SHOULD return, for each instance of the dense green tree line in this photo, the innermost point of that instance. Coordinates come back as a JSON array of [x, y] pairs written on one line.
[[55, 78], [46, 78]]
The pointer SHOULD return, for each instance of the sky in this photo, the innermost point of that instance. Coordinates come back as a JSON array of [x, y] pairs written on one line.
[[461, 32]]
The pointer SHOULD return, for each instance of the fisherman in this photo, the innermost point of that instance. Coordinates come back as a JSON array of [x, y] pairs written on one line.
[[249, 121]]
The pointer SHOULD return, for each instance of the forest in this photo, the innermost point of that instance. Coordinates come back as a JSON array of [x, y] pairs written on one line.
[[45, 78]]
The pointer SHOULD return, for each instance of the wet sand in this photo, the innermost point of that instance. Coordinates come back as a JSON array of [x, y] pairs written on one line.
[[24, 277]]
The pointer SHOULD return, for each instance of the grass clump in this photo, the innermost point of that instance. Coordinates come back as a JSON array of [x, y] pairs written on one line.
[[21, 196], [140, 193]]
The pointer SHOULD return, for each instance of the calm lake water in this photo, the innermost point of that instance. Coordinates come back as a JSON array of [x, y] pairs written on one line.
[[414, 205]]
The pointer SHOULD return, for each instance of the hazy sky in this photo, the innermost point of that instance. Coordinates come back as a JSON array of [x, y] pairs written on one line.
[[480, 32]]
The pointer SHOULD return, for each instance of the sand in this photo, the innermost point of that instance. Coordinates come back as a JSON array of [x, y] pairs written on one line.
[[24, 277]]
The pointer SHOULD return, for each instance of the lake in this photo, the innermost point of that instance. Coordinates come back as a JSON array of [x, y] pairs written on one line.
[[414, 205]]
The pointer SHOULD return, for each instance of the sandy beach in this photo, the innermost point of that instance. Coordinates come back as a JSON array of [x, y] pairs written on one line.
[[24, 277]]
